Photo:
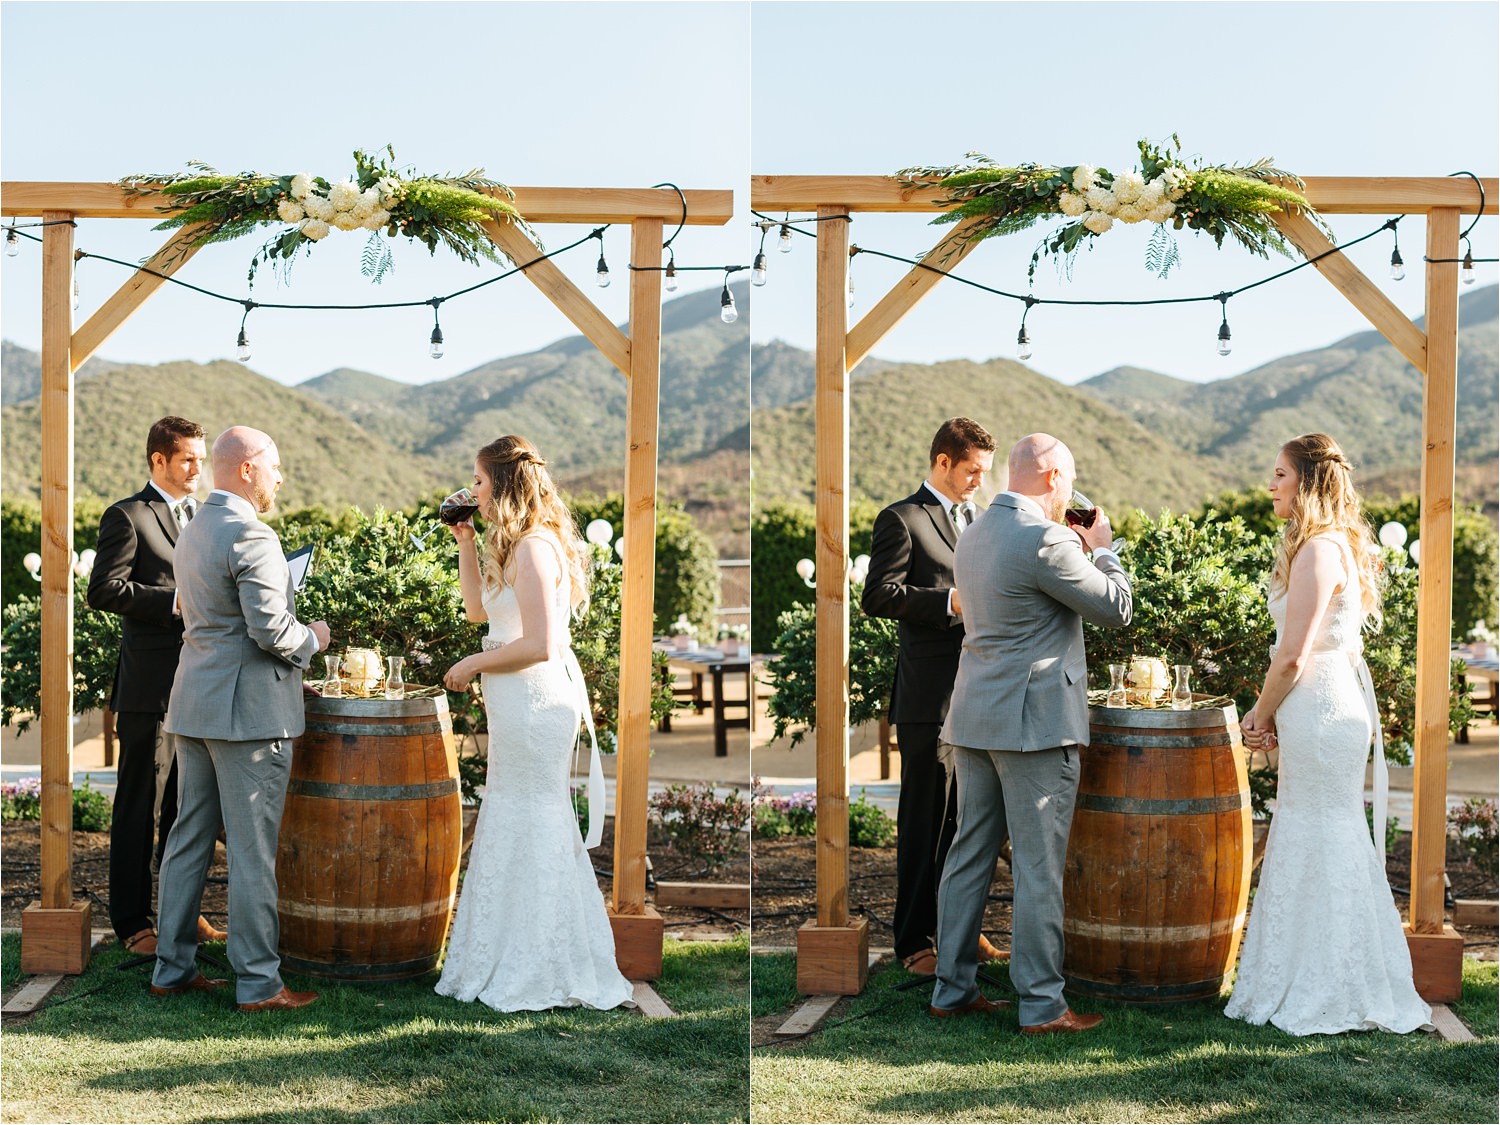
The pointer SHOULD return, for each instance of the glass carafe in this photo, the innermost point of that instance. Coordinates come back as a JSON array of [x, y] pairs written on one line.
[[395, 684], [1117, 696], [333, 687], [1182, 693]]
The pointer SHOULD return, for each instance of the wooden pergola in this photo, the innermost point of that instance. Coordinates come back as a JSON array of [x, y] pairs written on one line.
[[832, 952], [56, 931]]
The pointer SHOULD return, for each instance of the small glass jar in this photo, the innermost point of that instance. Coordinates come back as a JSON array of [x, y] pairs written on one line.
[[1117, 696], [1182, 692], [333, 687], [395, 683]]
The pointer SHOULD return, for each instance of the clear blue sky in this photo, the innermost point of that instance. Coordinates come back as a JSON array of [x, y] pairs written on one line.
[[565, 94], [1327, 89]]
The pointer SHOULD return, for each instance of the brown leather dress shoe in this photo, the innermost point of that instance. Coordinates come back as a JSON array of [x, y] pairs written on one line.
[[142, 943], [988, 952], [200, 983], [923, 963], [1069, 1021], [286, 998], [980, 1005], [206, 931]]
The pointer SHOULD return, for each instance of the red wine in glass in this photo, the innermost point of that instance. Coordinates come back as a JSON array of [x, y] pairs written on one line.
[[1081, 511], [457, 508]]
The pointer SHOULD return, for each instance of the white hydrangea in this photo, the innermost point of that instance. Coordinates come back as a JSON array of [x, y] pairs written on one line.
[[346, 220], [1071, 205], [314, 229], [1154, 193], [388, 186], [1100, 199], [1162, 212], [377, 220], [1084, 177], [344, 195], [290, 211], [1129, 213], [1128, 187], [369, 200], [318, 207], [302, 185], [1176, 179], [1098, 221]]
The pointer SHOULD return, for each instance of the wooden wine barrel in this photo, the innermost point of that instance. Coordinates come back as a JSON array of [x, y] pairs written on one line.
[[367, 864], [1158, 867]]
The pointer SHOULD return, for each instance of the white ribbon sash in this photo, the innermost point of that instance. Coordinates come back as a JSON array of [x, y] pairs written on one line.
[[595, 790], [1382, 771]]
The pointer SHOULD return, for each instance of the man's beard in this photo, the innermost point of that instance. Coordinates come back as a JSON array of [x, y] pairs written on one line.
[[1058, 509], [265, 499]]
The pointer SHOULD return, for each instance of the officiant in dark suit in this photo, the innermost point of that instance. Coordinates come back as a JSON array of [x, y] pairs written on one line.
[[133, 577], [910, 579]]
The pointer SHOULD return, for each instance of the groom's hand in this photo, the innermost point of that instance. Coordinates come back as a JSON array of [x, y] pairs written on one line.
[[1100, 535], [953, 603], [321, 634]]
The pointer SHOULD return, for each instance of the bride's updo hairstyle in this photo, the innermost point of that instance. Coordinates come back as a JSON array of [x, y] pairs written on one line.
[[1325, 502], [523, 499]]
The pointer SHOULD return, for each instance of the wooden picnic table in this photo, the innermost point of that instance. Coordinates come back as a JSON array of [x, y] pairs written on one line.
[[1481, 668], [716, 664]]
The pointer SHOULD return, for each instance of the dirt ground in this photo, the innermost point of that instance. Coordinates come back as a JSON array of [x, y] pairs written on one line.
[[20, 879]]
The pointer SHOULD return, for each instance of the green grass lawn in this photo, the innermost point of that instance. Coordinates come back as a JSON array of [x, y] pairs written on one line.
[[388, 1052], [1183, 1063]]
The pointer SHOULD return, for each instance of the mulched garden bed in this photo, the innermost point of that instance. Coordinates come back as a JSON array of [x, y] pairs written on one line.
[[20, 880], [786, 892]]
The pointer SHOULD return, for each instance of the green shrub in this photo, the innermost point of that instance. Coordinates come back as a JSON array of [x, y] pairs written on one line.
[[21, 800], [21, 534], [869, 825], [772, 817], [92, 810], [96, 645], [781, 533], [1473, 825], [702, 827]]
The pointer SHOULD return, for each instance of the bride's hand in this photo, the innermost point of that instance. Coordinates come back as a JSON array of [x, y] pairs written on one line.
[[464, 532], [461, 674], [1259, 734]]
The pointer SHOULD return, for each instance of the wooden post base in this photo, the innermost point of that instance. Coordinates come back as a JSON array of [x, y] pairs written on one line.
[[1437, 964], [57, 940], [833, 959], [638, 940]]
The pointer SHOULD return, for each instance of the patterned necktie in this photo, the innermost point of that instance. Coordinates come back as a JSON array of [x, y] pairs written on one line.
[[184, 512], [967, 517]]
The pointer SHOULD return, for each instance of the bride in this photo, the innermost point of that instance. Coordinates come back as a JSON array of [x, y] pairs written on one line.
[[1324, 950], [531, 931]]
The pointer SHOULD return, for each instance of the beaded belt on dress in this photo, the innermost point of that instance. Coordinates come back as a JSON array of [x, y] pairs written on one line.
[[491, 643]]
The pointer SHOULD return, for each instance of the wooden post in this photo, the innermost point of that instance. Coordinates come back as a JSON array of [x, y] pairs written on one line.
[[832, 953], [55, 933], [1436, 949], [637, 927]]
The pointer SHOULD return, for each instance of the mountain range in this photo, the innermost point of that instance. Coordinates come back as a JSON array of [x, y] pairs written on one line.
[[1142, 438]]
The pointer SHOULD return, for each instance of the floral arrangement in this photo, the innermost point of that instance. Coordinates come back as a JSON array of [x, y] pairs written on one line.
[[1147, 680], [702, 827], [378, 198], [1219, 200], [1474, 825]]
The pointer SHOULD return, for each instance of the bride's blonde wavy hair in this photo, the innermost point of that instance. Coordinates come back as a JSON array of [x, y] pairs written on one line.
[[523, 499], [1325, 502]]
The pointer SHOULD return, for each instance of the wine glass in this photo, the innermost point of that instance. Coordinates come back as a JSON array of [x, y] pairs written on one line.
[[1081, 511], [454, 509]]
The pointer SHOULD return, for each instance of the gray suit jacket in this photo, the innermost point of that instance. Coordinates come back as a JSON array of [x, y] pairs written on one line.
[[1026, 587], [243, 650]]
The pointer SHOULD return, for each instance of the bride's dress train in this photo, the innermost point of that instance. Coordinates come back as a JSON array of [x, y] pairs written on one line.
[[531, 931], [1324, 950]]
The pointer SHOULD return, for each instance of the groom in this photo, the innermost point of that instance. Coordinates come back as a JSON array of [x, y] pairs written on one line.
[[1019, 715], [236, 705]]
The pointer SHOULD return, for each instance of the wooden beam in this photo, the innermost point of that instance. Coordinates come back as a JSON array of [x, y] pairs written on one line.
[[569, 299], [57, 564], [832, 556], [1347, 278], [721, 896], [1435, 578], [889, 311], [108, 318], [538, 204], [1330, 195], [636, 599]]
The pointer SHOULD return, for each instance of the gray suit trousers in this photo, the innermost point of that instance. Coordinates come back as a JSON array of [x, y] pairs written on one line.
[[1032, 795], [245, 784]]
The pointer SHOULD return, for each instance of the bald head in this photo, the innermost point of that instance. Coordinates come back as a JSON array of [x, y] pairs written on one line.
[[1032, 460], [247, 463]]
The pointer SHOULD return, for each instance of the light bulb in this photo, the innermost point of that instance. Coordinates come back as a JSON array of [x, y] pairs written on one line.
[[12, 243], [806, 568], [784, 240], [1224, 345], [599, 532], [33, 564], [1398, 268], [1023, 344], [242, 346], [602, 273], [727, 312], [436, 349], [758, 270], [75, 290], [672, 277], [620, 546], [1393, 535], [1466, 271], [851, 290]]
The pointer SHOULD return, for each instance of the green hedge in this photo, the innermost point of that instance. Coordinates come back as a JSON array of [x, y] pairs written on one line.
[[21, 533], [780, 534]]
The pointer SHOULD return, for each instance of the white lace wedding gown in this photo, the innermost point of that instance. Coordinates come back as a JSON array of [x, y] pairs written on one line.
[[1324, 950], [531, 931]]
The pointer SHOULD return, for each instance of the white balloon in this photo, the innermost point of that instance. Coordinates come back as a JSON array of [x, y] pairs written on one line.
[[599, 532], [1393, 535], [1415, 550]]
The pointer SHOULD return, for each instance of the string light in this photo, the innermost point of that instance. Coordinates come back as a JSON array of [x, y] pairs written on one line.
[[758, 269], [12, 243], [671, 280], [1023, 337], [1398, 267], [784, 240], [435, 341], [1466, 271], [242, 342], [601, 271], [76, 296], [1224, 345], [727, 312]]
